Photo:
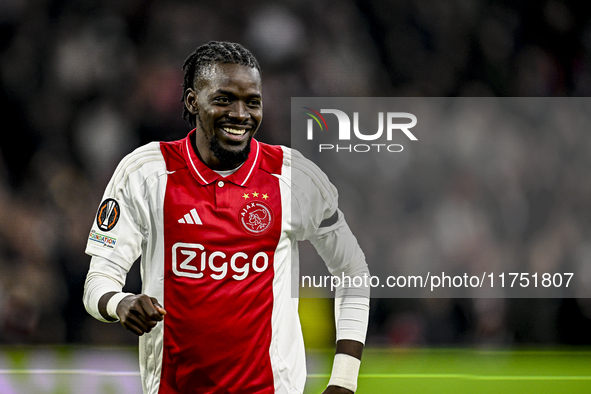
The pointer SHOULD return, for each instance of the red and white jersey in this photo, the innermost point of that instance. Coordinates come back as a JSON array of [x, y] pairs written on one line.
[[216, 252]]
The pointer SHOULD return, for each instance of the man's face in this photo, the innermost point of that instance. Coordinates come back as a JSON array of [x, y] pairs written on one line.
[[227, 103]]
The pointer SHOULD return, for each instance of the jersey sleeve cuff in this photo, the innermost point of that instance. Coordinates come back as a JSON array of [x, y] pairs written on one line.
[[114, 302]]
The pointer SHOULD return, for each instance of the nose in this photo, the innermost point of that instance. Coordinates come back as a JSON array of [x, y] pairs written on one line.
[[239, 112]]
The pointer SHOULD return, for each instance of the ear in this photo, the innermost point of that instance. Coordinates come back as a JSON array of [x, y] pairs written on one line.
[[191, 101]]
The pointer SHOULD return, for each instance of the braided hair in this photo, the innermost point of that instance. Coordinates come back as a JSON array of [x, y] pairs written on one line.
[[214, 52]]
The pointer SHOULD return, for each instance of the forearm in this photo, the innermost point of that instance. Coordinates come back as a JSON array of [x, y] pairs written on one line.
[[102, 306], [351, 318], [352, 348], [345, 369], [344, 259], [351, 314], [104, 279]]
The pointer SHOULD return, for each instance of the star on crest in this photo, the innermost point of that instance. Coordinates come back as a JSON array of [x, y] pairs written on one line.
[[255, 194], [245, 196], [265, 196]]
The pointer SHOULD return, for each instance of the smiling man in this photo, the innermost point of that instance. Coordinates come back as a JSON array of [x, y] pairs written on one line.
[[216, 218], [229, 110]]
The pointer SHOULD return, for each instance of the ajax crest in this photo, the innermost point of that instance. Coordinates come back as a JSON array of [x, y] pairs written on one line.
[[256, 217]]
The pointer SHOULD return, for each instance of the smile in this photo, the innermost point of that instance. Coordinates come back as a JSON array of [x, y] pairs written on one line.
[[233, 131]]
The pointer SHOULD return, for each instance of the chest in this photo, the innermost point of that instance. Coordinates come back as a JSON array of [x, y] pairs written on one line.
[[221, 230]]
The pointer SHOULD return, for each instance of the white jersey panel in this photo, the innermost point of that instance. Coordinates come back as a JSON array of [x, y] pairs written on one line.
[[138, 187], [287, 350]]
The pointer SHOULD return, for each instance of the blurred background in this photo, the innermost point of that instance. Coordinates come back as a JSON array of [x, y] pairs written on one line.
[[84, 82]]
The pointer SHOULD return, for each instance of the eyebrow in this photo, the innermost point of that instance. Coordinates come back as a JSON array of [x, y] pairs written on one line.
[[228, 93]]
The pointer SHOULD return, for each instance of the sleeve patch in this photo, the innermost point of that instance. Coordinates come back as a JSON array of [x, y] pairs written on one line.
[[108, 214], [103, 240]]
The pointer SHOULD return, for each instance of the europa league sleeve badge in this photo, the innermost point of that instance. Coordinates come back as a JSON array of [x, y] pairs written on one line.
[[108, 214]]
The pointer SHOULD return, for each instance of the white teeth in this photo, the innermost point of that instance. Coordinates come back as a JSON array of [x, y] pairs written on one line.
[[234, 131]]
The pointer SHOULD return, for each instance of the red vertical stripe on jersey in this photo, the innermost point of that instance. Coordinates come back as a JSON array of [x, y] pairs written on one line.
[[218, 276]]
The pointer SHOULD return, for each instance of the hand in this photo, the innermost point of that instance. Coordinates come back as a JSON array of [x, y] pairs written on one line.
[[140, 313], [336, 390]]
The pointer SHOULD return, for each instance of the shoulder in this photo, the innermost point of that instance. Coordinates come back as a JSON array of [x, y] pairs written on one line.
[[305, 173], [144, 154], [271, 158], [138, 165], [306, 177]]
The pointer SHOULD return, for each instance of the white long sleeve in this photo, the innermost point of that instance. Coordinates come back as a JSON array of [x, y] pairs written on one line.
[[343, 257], [103, 277], [314, 200]]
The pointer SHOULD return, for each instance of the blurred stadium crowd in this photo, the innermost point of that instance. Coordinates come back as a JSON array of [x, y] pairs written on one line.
[[84, 82]]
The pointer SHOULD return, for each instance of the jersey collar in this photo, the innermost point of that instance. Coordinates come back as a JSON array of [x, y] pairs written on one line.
[[205, 175]]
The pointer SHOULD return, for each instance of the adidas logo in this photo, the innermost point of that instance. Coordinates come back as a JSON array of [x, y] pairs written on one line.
[[191, 218]]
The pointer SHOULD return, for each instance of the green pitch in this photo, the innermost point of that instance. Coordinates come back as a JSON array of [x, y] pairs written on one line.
[[458, 371], [74, 370]]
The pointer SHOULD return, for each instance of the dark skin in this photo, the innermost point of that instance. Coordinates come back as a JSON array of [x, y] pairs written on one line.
[[228, 106]]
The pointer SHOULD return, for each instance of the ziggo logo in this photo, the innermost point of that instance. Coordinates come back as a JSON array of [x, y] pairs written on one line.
[[259, 262]]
